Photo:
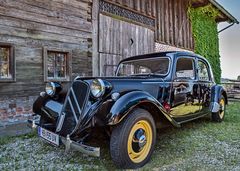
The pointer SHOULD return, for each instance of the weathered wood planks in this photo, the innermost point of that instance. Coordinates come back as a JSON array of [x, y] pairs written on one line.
[[119, 39], [31, 26], [173, 26]]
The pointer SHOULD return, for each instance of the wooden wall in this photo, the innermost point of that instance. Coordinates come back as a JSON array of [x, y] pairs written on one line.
[[172, 23], [173, 26], [120, 39], [145, 7], [31, 25]]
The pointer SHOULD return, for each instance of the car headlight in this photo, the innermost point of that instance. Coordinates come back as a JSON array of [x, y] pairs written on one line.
[[97, 88], [53, 88]]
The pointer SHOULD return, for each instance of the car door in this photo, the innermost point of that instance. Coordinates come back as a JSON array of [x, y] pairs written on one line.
[[184, 92], [205, 83]]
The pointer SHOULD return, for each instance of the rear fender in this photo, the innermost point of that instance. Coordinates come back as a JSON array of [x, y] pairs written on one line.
[[129, 101], [216, 92]]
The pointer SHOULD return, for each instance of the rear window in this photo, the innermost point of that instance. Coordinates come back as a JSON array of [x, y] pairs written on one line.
[[185, 68]]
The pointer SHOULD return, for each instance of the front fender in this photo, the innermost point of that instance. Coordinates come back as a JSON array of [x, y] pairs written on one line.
[[38, 104], [47, 107], [216, 92], [127, 102]]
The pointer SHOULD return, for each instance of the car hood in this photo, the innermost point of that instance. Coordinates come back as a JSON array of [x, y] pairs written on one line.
[[127, 84]]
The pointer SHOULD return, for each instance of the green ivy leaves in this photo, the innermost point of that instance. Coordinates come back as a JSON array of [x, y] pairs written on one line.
[[204, 28]]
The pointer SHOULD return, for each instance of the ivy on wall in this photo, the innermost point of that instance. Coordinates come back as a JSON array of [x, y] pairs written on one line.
[[204, 28]]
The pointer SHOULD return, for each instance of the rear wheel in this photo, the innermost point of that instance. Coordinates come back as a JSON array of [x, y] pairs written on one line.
[[132, 141], [219, 116]]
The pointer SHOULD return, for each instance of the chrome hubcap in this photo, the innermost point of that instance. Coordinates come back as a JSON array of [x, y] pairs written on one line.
[[139, 140]]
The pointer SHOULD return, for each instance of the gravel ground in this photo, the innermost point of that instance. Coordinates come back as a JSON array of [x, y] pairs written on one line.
[[198, 145], [35, 154]]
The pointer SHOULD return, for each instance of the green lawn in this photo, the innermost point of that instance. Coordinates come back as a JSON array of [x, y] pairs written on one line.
[[198, 145]]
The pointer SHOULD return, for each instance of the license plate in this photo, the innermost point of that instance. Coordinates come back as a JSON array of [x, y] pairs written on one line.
[[49, 136]]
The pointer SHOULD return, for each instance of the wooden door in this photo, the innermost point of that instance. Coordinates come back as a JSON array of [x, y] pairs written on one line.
[[118, 40]]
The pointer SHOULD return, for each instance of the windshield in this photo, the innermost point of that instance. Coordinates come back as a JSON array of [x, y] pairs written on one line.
[[148, 66]]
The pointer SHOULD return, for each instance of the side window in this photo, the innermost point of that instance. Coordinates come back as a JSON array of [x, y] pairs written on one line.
[[7, 63], [203, 71], [57, 65], [185, 68]]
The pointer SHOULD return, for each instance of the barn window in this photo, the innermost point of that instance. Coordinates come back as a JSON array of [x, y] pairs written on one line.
[[7, 63], [57, 65]]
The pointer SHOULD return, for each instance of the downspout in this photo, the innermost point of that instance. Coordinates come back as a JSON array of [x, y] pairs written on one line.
[[226, 27]]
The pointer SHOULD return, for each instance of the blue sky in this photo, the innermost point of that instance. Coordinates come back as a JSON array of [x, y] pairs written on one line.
[[230, 41]]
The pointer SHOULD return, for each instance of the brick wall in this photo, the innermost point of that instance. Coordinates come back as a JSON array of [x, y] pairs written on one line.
[[15, 109]]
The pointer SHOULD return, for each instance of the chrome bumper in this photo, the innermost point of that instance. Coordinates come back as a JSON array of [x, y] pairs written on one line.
[[89, 150], [70, 144]]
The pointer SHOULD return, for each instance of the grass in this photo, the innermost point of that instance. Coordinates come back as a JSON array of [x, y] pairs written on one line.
[[198, 145]]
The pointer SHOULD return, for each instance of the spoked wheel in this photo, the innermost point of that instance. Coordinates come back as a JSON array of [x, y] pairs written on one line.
[[219, 116], [132, 141]]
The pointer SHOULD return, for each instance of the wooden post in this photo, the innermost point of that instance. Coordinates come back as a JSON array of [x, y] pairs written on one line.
[[95, 25]]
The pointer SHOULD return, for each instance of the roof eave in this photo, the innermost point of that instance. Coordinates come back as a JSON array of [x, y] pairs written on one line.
[[232, 19]]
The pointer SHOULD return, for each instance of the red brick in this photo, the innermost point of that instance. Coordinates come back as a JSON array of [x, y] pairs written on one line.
[[3, 111], [19, 110], [12, 105], [27, 109]]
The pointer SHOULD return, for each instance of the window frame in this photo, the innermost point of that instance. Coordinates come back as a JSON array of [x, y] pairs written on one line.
[[159, 57], [194, 68], [68, 53], [208, 71], [12, 63]]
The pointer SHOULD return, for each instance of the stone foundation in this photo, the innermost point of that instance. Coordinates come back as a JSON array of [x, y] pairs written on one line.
[[15, 110]]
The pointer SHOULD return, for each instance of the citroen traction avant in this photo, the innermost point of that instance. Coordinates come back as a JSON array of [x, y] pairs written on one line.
[[147, 91]]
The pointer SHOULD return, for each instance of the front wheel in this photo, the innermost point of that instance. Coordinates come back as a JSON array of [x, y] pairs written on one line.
[[132, 141], [219, 116]]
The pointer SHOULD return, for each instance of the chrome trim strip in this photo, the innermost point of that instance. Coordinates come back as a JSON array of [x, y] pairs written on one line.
[[84, 104], [74, 113], [75, 99], [60, 123]]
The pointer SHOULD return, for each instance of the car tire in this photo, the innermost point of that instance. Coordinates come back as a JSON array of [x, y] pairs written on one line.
[[132, 141], [219, 116]]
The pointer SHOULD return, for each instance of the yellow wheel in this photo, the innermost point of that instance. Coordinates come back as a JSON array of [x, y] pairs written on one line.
[[222, 108], [219, 116], [139, 141], [132, 141]]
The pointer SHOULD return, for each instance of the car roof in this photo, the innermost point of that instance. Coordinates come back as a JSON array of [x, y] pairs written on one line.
[[159, 54]]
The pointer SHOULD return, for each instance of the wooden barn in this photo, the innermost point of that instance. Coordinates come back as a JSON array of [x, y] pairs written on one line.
[[56, 40]]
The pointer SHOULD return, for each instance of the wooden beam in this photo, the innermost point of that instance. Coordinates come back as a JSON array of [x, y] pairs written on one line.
[[199, 3], [95, 42]]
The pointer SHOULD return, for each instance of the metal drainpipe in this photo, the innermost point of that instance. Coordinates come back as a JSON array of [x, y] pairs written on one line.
[[226, 28]]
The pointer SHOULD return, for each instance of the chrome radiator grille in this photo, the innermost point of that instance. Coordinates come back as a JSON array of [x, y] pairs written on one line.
[[73, 107]]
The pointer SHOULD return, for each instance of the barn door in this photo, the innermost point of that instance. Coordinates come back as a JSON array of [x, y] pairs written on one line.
[[118, 40]]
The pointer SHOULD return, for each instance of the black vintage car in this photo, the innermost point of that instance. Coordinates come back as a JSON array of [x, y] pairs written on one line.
[[148, 91]]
